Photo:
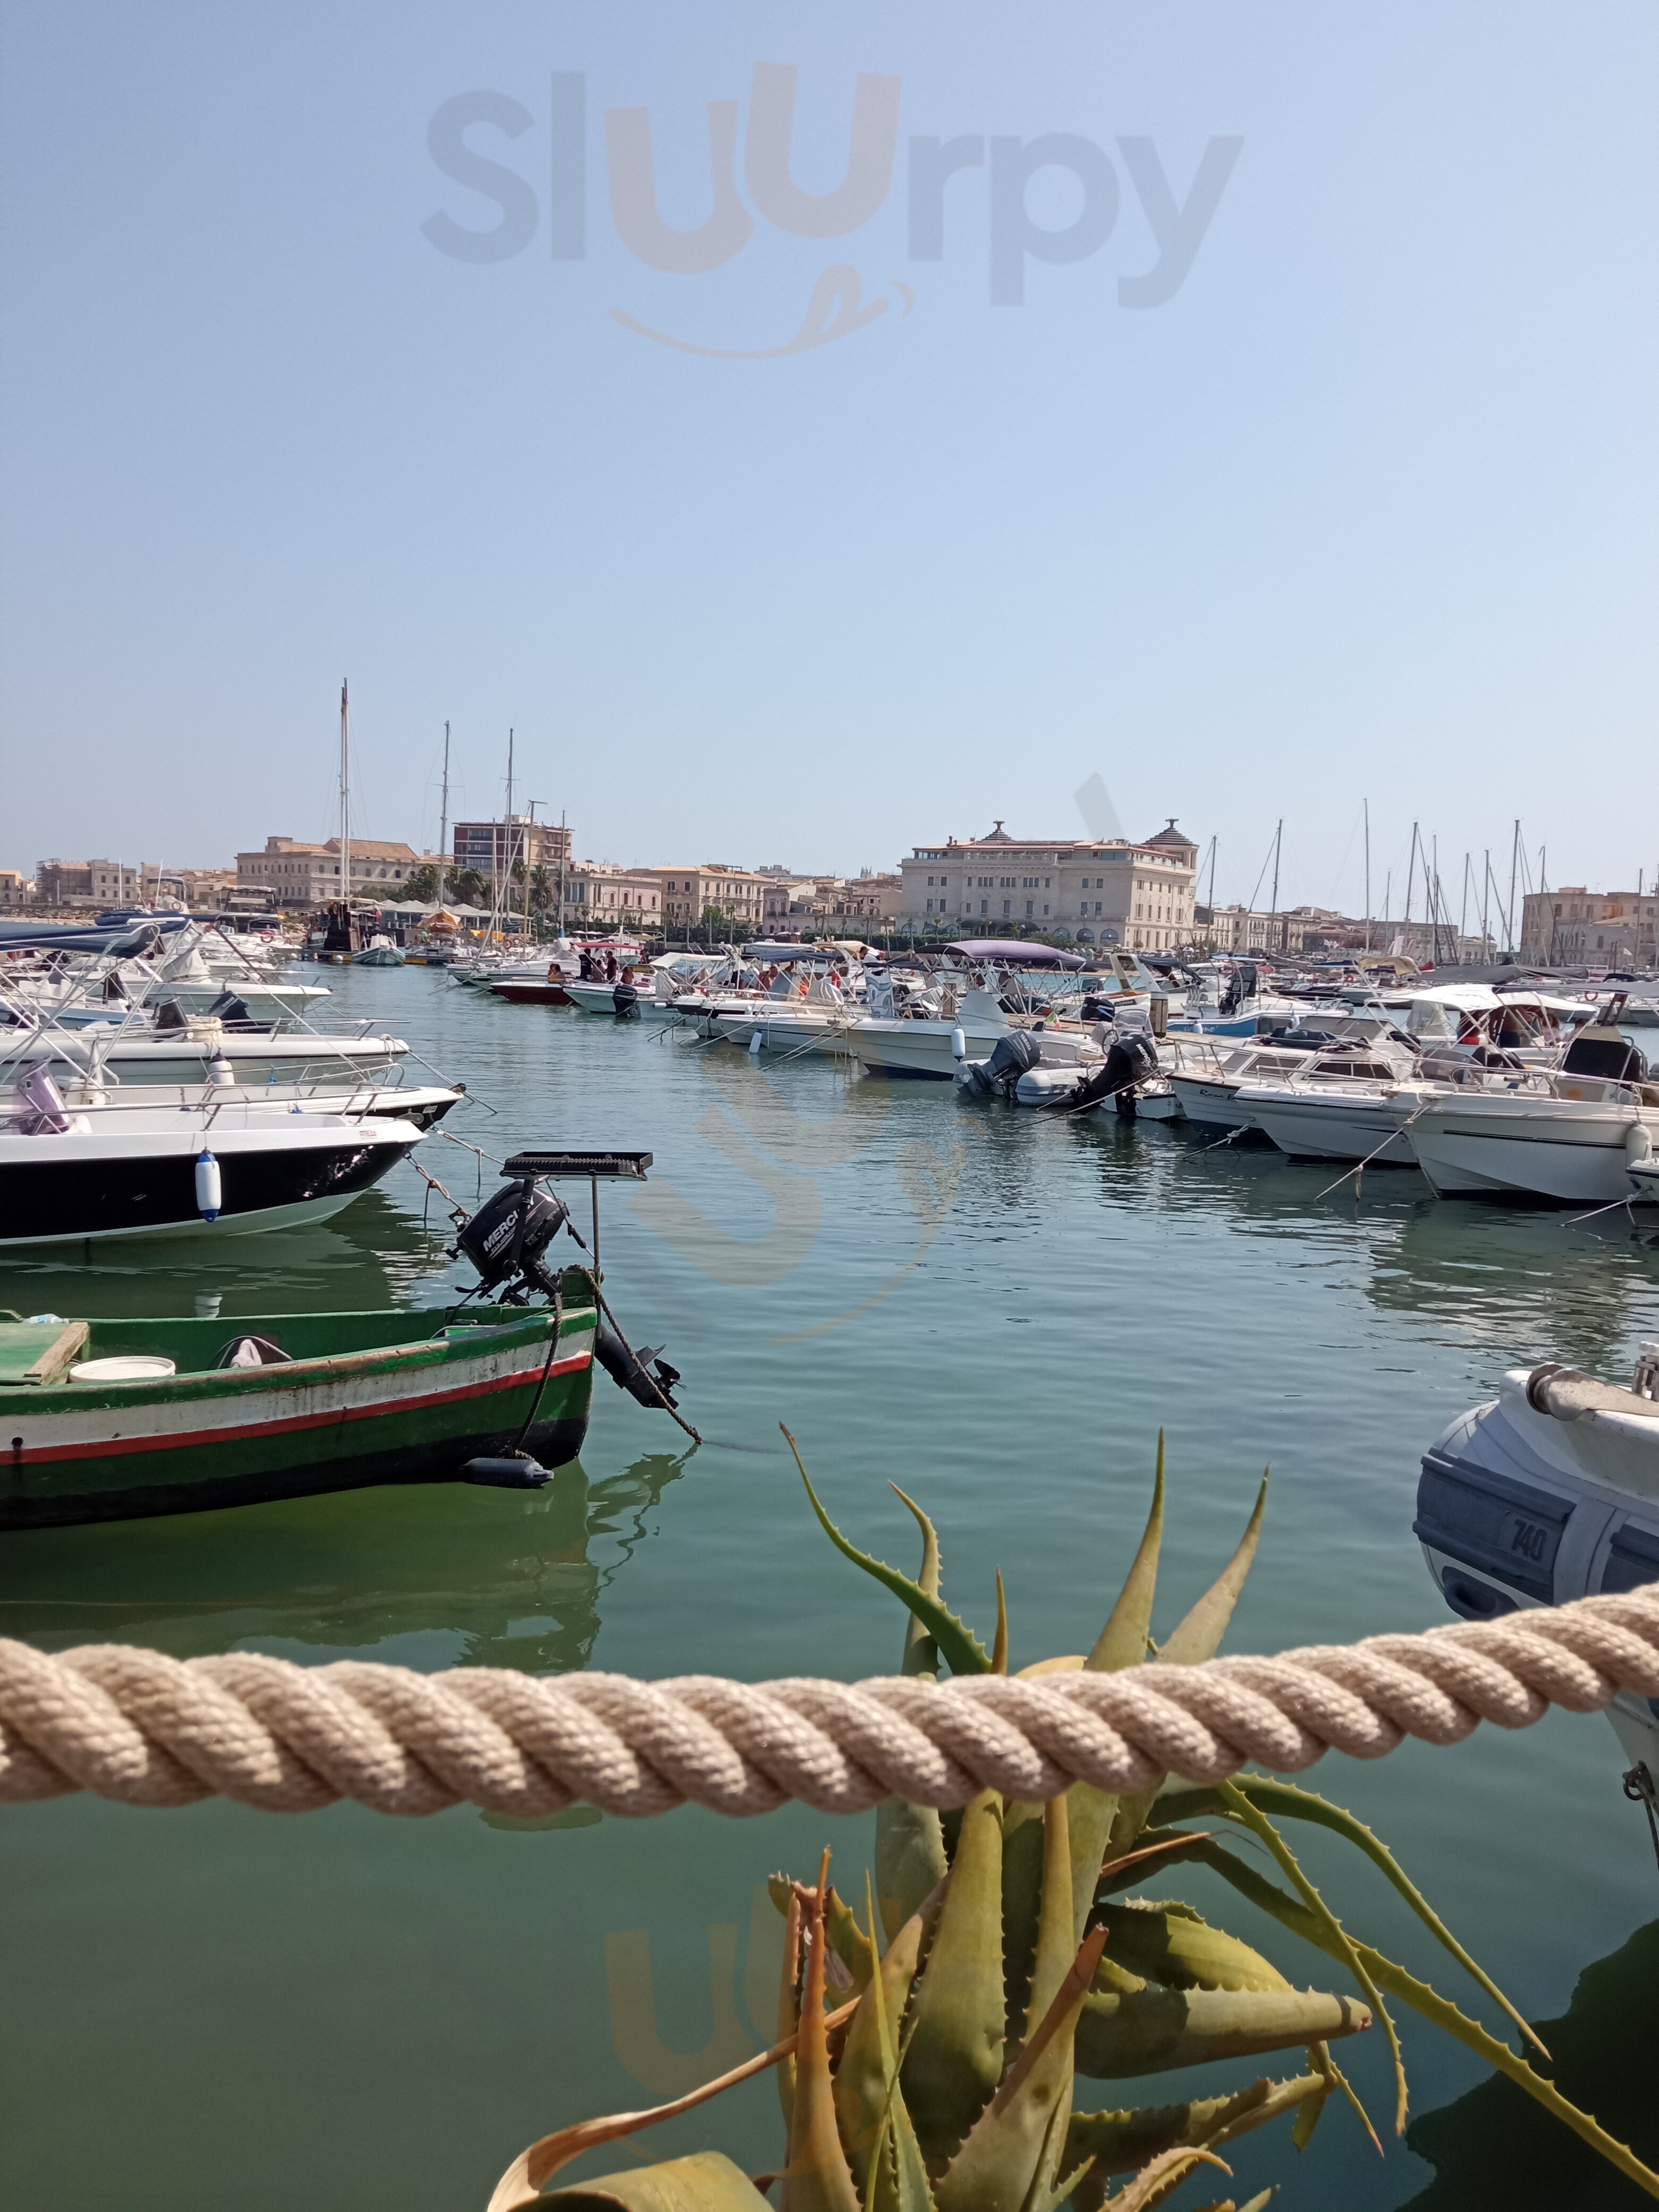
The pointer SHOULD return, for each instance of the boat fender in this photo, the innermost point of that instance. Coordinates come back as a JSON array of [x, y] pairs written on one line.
[[521, 1473], [223, 1074], [958, 1045], [754, 1044], [209, 1186], [1638, 1142]]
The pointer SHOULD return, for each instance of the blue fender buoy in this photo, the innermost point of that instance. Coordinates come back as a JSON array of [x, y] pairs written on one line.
[[209, 1189]]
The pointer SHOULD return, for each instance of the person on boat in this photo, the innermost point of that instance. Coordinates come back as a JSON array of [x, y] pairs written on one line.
[[610, 967]]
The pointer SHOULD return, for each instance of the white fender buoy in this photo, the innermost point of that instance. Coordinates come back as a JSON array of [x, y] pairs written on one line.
[[210, 1190], [1638, 1142], [958, 1045], [754, 1044], [223, 1074]]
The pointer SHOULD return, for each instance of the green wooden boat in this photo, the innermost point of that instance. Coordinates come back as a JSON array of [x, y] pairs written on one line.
[[345, 1400]]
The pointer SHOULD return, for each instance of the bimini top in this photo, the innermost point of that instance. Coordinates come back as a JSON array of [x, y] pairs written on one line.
[[1016, 953]]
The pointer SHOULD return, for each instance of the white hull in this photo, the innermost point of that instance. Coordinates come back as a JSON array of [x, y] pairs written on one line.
[[1341, 1126], [1212, 1102], [1544, 1148]]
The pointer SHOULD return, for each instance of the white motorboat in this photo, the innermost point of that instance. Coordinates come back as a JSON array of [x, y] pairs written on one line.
[[1208, 1077], [136, 1053], [1576, 1150], [1550, 1491], [934, 1045], [378, 952], [225, 1169], [1572, 1135]]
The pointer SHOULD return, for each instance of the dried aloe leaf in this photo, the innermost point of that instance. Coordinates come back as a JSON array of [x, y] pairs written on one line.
[[953, 2058], [1124, 2032], [961, 1649], [1288, 1803], [707, 2181], [816, 2178]]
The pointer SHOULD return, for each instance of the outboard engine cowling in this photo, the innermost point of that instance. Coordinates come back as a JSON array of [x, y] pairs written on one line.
[[1131, 1058], [506, 1238], [1547, 1494], [1015, 1055], [625, 1001]]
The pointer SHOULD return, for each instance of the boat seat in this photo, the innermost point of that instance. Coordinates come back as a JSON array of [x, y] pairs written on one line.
[[252, 1351]]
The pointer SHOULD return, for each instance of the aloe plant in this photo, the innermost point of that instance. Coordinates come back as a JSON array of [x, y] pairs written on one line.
[[928, 2048]]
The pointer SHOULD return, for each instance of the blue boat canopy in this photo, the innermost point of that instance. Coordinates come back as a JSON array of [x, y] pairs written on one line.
[[1017, 953]]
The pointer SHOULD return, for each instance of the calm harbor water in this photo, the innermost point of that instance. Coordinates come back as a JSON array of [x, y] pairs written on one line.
[[998, 1310]]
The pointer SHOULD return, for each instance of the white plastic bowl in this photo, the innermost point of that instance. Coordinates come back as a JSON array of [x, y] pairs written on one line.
[[134, 1367]]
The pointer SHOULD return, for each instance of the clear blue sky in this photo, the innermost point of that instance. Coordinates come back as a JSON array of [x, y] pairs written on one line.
[[1368, 507]]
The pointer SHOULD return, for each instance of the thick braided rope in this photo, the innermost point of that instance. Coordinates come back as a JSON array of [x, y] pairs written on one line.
[[146, 1729]]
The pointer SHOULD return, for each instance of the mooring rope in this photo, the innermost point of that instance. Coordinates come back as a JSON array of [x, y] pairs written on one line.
[[147, 1730]]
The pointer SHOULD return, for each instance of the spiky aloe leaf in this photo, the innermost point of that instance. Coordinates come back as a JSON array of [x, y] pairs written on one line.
[[953, 2058], [1024, 1845], [1001, 2162], [1154, 2182], [1123, 2033], [866, 2077], [1122, 1643], [1345, 1947], [1119, 2143], [910, 1856], [1197, 1639], [897, 2181], [1288, 1803], [816, 2178], [961, 1649], [1424, 1999], [788, 2007], [1172, 1944], [705, 2182]]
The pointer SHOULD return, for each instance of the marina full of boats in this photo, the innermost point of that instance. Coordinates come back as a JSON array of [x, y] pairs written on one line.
[[1514, 1090], [168, 1086]]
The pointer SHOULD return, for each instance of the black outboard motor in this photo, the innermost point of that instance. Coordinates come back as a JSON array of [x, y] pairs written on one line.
[[1131, 1058], [1015, 1055], [635, 1371], [1096, 1009], [506, 1239], [625, 999], [229, 1009]]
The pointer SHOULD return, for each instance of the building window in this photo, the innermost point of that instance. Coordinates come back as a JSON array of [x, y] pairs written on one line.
[[985, 906], [1007, 906]]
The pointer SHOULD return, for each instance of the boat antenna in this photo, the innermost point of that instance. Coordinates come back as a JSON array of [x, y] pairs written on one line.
[[564, 842], [345, 811], [1278, 839], [443, 822], [1214, 841]]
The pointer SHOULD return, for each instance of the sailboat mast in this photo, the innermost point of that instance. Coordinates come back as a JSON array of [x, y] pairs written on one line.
[[345, 803], [1279, 838], [1515, 861], [1367, 804], [443, 822]]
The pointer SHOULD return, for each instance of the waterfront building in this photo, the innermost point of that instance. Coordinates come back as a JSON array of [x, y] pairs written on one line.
[[1573, 928], [831, 906], [690, 893], [16, 889], [296, 874], [491, 847], [598, 896], [1097, 891]]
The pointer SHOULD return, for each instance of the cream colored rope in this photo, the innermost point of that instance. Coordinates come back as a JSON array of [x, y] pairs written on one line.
[[146, 1729]]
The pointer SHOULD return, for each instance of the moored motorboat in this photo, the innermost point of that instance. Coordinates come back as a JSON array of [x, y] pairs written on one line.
[[1547, 1492], [226, 1168], [119, 1419]]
